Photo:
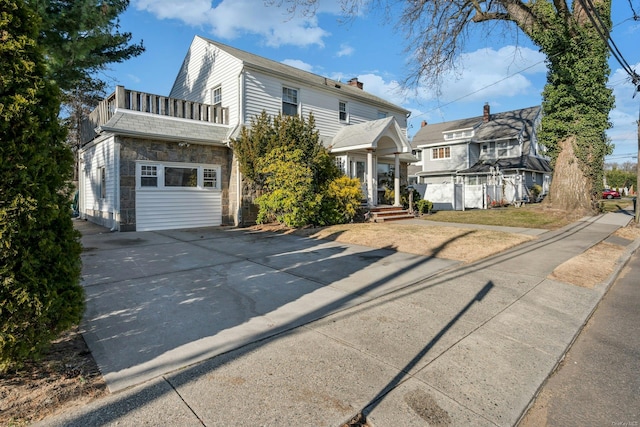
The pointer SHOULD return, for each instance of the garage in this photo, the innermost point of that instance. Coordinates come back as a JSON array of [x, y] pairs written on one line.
[[177, 195]]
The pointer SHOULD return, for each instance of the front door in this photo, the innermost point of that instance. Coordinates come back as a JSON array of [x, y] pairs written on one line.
[[358, 170]]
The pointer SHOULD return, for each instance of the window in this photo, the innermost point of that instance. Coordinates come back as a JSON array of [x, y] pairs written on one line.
[[217, 96], [210, 178], [488, 148], [441, 153], [148, 176], [289, 101], [382, 114], [458, 135], [417, 154], [503, 148], [175, 176], [180, 177], [342, 108], [103, 183]]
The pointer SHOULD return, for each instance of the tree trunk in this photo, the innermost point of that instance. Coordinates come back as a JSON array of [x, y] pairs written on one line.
[[568, 184]]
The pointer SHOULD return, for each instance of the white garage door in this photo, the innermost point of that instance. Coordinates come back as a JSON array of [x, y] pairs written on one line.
[[177, 195]]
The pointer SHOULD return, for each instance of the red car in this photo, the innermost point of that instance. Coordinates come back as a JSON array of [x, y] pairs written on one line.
[[610, 194]]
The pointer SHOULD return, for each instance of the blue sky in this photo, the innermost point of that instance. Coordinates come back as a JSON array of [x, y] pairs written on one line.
[[492, 69]]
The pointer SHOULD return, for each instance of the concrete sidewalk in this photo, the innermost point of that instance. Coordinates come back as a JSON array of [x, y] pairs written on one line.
[[228, 327]]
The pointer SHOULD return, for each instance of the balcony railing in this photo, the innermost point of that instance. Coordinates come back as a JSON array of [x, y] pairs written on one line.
[[154, 104]]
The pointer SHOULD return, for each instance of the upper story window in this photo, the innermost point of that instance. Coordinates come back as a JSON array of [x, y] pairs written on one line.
[[489, 148], [441, 153], [382, 114], [289, 101], [417, 154], [343, 113], [503, 148], [216, 96], [459, 134]]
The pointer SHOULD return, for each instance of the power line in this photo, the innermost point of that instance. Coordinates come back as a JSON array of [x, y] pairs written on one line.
[[628, 70], [635, 15], [600, 28]]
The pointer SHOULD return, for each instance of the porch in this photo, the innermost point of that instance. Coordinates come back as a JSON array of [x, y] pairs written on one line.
[[126, 99]]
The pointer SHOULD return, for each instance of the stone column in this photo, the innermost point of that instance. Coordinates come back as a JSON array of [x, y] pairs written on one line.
[[396, 181], [370, 189]]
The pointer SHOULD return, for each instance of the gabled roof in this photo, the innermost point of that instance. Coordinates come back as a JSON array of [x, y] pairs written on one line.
[[368, 135], [286, 71], [506, 125]]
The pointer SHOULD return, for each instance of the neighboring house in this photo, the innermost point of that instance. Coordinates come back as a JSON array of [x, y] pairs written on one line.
[[152, 162], [489, 160]]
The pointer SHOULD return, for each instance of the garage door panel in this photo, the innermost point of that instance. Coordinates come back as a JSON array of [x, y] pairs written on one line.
[[165, 210]]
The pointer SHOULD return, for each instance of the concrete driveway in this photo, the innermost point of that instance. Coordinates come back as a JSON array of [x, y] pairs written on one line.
[[160, 301]]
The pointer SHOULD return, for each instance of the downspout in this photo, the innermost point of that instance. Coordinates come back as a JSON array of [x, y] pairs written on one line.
[[116, 191], [240, 123]]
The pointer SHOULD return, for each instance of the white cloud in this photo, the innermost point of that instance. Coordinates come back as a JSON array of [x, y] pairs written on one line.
[[488, 73], [232, 18], [345, 50], [624, 133], [298, 64]]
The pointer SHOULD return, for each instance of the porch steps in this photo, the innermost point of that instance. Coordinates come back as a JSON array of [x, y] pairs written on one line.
[[388, 213]]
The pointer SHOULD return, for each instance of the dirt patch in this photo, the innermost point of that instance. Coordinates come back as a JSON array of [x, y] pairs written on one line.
[[66, 377], [596, 264], [460, 244]]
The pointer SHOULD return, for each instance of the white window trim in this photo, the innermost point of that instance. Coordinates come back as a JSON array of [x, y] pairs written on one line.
[[160, 166], [440, 158], [213, 95], [297, 99], [346, 111]]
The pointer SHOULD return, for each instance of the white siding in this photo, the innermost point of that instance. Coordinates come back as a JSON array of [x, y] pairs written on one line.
[[103, 210], [204, 68], [173, 209], [264, 92], [458, 160]]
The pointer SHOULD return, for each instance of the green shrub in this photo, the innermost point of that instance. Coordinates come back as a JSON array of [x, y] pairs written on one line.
[[341, 202], [289, 197], [424, 206], [535, 192], [40, 295]]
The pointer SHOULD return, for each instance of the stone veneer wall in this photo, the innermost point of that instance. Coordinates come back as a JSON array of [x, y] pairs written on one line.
[[134, 149]]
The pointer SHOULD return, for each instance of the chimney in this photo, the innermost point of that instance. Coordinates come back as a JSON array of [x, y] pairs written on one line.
[[354, 82], [486, 113], [423, 124]]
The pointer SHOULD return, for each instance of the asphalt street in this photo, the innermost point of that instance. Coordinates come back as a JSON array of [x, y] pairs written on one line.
[[598, 383]]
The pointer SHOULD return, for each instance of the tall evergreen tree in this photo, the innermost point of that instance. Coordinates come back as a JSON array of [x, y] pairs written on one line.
[[40, 295], [81, 38]]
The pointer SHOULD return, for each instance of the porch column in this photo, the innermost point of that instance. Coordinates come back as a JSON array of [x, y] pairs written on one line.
[[370, 188], [396, 181]]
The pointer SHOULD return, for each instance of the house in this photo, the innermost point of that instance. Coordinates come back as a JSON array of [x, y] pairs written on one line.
[[479, 162], [151, 162]]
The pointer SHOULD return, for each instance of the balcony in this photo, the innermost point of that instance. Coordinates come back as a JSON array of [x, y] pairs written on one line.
[[153, 104]]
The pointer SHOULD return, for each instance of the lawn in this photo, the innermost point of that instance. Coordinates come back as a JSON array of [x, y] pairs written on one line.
[[528, 216]]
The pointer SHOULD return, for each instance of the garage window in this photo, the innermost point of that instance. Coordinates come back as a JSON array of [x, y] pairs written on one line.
[[180, 177], [148, 176], [177, 175], [210, 178]]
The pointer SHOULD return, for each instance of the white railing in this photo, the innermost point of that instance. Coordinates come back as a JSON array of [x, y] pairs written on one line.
[[154, 104]]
